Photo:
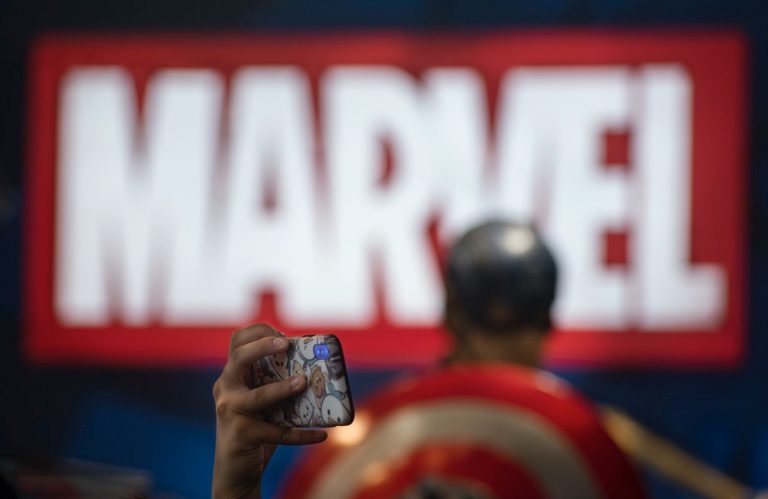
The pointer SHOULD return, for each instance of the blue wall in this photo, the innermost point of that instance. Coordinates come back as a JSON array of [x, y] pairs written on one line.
[[163, 421]]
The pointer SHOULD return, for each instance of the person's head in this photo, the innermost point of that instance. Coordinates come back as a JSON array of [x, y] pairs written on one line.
[[500, 285]]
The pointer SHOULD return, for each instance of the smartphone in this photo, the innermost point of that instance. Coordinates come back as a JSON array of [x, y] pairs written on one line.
[[327, 401]]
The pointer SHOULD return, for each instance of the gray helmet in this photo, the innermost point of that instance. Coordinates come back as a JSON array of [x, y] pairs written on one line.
[[503, 277]]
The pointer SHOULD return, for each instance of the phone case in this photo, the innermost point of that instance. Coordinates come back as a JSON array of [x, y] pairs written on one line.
[[327, 400]]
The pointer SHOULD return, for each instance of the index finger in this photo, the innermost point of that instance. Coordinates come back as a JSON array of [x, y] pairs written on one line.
[[251, 333]]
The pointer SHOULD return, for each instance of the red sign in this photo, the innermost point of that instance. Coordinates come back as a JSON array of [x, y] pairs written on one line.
[[181, 186]]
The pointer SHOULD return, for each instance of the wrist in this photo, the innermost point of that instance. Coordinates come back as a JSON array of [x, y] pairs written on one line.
[[235, 493]]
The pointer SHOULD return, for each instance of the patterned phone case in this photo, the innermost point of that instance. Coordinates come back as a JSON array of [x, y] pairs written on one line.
[[327, 400]]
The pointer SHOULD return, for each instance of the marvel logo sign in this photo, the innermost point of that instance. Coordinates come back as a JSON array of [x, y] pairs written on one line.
[[179, 188]]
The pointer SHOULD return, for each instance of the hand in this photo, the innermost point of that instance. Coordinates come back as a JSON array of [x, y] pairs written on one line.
[[244, 441]]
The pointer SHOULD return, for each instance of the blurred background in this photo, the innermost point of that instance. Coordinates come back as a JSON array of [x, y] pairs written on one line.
[[148, 414]]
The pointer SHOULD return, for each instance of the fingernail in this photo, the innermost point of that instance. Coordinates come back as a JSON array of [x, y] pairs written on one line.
[[297, 381], [280, 341]]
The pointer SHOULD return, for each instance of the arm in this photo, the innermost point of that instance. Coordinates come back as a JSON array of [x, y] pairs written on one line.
[[244, 441]]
